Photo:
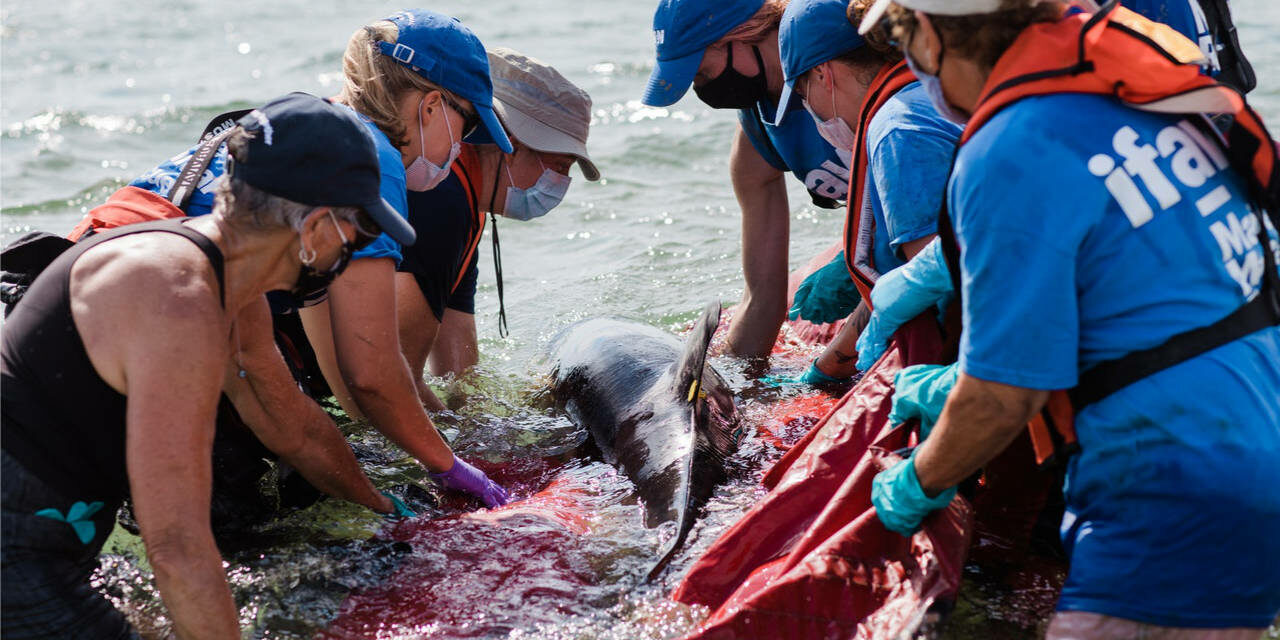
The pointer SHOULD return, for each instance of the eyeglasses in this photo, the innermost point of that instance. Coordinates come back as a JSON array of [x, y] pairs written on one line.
[[470, 120], [367, 230]]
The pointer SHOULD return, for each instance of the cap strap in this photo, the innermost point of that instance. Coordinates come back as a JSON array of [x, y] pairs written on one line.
[[404, 54]]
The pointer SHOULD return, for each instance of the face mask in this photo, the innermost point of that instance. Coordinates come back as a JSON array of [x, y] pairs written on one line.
[[536, 201], [731, 89], [312, 281], [835, 131], [933, 87], [423, 174]]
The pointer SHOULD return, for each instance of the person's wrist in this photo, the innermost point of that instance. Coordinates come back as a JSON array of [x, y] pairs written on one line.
[[439, 469], [835, 365]]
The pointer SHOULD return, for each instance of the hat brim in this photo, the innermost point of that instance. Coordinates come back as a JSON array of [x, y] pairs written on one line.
[[784, 102], [492, 127], [873, 16], [670, 80], [541, 137], [391, 222]]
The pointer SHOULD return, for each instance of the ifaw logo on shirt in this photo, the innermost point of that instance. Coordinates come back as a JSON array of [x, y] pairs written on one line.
[[1195, 162]]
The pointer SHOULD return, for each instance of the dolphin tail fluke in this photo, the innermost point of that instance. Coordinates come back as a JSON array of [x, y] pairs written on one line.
[[687, 386]]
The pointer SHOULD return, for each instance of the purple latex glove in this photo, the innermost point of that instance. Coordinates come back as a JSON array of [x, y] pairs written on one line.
[[464, 477]]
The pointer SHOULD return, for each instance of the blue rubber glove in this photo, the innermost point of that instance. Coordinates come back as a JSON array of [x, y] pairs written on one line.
[[921, 392], [402, 510], [827, 295], [901, 295], [464, 477], [812, 376], [900, 501]]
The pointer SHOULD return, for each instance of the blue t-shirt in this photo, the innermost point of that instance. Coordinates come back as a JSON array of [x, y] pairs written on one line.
[[1186, 17], [1089, 230], [910, 150], [160, 180], [796, 146]]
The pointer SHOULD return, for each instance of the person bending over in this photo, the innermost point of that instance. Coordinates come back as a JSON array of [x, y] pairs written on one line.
[[97, 408]]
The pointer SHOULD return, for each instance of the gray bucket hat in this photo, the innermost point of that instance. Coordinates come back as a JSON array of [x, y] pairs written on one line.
[[540, 108]]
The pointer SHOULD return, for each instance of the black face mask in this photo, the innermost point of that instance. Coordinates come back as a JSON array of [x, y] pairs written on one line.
[[312, 282], [731, 89]]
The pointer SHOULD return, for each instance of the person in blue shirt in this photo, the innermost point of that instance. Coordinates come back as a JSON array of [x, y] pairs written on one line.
[[1088, 230], [728, 51], [418, 111], [851, 84]]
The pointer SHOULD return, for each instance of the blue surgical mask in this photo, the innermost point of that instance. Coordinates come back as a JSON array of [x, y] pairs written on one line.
[[933, 87], [537, 200]]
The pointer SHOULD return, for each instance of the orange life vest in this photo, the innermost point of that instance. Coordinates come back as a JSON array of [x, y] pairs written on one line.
[[467, 168], [126, 206], [859, 225], [1150, 67]]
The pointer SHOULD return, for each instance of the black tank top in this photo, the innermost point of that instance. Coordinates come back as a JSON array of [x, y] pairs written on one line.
[[60, 419]]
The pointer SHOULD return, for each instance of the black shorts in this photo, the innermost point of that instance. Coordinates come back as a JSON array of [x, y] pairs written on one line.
[[443, 222], [46, 568]]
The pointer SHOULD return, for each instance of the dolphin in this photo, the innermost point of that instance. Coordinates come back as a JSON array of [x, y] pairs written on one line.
[[653, 409]]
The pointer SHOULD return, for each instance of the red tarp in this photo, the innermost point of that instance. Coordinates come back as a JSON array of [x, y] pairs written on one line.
[[812, 560]]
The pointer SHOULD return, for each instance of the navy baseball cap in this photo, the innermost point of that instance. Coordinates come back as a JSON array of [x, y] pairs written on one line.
[[812, 32], [683, 29], [443, 50], [311, 151]]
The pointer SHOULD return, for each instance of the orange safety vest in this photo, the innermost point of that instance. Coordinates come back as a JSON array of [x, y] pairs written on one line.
[[1150, 67], [859, 225], [126, 206], [467, 168]]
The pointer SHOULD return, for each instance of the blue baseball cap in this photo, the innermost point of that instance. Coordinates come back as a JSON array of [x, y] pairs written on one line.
[[443, 50], [683, 29], [812, 32], [313, 152]]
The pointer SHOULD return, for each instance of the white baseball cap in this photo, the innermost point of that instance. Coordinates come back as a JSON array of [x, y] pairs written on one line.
[[942, 8]]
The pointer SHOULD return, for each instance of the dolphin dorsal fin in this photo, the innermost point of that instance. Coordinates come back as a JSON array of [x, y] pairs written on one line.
[[687, 371]]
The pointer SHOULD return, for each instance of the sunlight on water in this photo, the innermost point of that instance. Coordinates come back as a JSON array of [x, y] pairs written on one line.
[[652, 241]]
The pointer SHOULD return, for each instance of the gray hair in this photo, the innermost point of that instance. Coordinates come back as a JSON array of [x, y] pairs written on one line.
[[241, 202]]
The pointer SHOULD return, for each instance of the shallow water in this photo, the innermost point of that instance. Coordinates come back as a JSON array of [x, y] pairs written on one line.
[[95, 93]]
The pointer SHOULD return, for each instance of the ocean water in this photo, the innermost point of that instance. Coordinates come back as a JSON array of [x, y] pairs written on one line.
[[92, 94]]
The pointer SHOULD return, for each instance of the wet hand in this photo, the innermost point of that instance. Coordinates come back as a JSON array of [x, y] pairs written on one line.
[[812, 376], [827, 295], [900, 501], [396, 508], [464, 477]]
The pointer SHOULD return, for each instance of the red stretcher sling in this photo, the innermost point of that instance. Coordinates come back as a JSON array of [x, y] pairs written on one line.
[[811, 559]]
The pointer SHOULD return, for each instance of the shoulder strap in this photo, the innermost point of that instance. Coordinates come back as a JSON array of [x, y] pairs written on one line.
[[215, 133], [859, 232], [206, 246]]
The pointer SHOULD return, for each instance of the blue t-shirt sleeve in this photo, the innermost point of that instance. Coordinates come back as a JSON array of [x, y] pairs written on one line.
[[160, 180], [911, 198], [1018, 262], [393, 191], [754, 128]]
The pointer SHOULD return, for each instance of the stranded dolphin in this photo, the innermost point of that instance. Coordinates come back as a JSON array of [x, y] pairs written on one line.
[[653, 409]]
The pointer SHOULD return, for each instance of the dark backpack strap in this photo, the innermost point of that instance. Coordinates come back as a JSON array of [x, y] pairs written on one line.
[[223, 122], [1235, 68], [185, 186], [175, 226]]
